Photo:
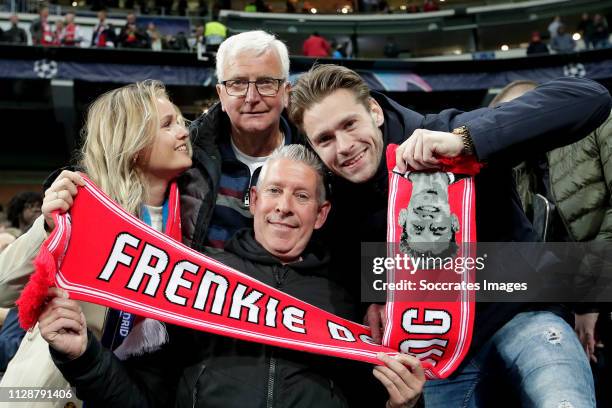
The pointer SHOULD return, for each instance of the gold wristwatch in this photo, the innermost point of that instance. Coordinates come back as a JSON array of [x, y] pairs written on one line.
[[466, 138]]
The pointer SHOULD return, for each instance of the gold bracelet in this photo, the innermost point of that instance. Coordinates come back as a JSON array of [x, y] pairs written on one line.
[[466, 138]]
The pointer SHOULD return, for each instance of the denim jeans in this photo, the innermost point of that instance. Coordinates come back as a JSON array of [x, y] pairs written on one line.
[[535, 360]]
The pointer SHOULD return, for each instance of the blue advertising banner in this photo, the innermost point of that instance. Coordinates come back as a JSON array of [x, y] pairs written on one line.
[[100, 72], [180, 68]]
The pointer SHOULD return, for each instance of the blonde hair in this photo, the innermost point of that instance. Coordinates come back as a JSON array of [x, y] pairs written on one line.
[[121, 124], [513, 90]]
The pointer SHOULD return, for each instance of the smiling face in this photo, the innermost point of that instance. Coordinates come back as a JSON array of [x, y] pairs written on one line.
[[346, 135], [253, 113], [170, 153], [286, 209]]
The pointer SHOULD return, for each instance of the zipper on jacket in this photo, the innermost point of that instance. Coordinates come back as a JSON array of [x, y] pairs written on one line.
[[194, 393], [559, 212], [547, 218], [194, 396], [246, 200], [280, 274], [271, 377]]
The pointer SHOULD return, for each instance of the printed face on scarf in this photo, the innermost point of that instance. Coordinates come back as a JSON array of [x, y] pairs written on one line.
[[170, 153], [346, 135], [254, 113], [427, 221], [286, 208]]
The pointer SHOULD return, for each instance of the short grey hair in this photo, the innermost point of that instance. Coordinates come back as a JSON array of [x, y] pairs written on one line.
[[301, 154], [256, 42]]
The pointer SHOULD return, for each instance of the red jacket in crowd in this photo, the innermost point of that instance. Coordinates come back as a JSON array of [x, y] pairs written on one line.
[[316, 46]]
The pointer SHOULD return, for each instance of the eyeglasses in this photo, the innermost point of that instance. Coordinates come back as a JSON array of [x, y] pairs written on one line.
[[265, 86]]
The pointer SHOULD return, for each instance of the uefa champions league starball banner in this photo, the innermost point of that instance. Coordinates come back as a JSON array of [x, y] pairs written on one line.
[[414, 79]]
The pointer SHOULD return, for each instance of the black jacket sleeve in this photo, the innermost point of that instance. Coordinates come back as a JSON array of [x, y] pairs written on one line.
[[554, 114], [102, 380]]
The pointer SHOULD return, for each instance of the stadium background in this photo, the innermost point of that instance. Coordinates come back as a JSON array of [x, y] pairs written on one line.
[[459, 56]]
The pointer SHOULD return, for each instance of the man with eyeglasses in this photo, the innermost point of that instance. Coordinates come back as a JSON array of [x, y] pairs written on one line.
[[235, 137]]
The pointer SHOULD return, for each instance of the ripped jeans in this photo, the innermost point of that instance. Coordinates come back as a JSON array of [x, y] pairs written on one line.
[[534, 360]]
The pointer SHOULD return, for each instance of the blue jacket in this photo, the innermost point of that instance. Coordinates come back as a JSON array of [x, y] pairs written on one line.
[[10, 338]]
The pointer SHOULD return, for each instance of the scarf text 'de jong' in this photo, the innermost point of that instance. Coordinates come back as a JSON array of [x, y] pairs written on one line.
[[432, 215]]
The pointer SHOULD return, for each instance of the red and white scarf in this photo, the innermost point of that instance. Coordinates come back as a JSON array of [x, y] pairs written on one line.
[[101, 254], [437, 332]]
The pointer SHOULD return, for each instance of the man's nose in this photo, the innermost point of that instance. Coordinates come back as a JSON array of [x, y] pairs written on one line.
[[345, 143], [252, 94], [283, 203]]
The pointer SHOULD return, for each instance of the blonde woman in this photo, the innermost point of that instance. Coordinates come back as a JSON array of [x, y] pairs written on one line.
[[135, 145]]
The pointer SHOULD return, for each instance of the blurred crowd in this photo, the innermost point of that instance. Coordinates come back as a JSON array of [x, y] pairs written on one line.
[[592, 29], [66, 32], [143, 32], [182, 8]]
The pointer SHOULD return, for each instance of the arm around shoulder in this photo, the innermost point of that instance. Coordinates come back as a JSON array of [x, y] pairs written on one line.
[[554, 114]]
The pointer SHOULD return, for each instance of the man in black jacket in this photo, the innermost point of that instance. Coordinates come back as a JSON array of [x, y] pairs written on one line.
[[15, 34], [132, 36], [198, 369], [350, 127], [104, 33]]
